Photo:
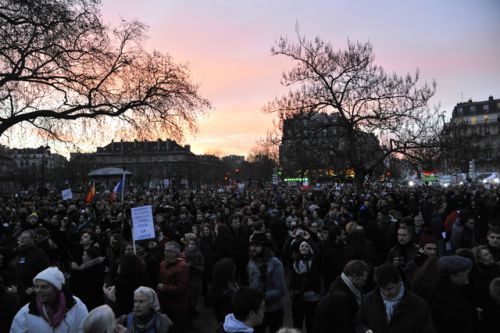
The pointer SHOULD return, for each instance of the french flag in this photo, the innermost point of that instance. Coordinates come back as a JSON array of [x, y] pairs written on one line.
[[118, 189]]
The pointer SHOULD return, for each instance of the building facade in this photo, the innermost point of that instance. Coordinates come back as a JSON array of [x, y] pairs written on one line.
[[473, 133], [317, 146], [150, 162]]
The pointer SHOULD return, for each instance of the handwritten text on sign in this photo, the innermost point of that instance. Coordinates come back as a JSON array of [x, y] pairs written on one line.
[[142, 221]]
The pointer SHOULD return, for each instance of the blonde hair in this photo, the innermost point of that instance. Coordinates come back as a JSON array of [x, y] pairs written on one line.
[[100, 320]]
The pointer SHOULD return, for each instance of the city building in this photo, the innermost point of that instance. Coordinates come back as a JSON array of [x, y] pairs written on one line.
[[151, 162], [317, 146], [34, 158], [472, 137]]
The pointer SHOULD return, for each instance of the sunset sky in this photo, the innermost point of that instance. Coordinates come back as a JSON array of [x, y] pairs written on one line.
[[227, 46]]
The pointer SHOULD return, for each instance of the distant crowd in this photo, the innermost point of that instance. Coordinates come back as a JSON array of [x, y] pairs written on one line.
[[379, 260]]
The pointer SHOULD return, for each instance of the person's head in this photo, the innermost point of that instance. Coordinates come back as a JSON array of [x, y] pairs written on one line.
[[388, 278], [457, 268], [495, 289], [482, 255], [87, 238], [48, 284], [419, 220], [404, 235], [357, 272], [249, 306], [235, 221], [206, 230], [430, 249], [33, 219], [257, 243], [131, 265], [90, 253], [493, 237], [171, 251], [305, 249], [141, 249], [223, 272], [145, 302], [100, 320], [26, 239]]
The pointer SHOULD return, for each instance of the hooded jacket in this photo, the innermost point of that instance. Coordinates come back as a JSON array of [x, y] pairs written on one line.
[[233, 325]]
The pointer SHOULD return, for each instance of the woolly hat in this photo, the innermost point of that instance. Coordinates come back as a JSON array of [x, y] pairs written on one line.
[[426, 239], [453, 264], [53, 276]]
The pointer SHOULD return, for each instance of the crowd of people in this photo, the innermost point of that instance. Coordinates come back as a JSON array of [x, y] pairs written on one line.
[[383, 259]]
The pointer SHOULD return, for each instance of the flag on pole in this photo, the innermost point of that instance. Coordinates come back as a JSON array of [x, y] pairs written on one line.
[[118, 189], [90, 196]]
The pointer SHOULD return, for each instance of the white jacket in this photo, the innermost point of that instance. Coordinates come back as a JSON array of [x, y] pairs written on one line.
[[28, 320]]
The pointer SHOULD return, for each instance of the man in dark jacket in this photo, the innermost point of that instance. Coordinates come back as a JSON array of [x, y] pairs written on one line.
[[390, 308], [31, 260], [403, 253], [451, 311], [337, 309]]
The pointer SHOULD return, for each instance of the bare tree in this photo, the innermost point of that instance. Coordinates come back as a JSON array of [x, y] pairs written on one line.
[[368, 101], [60, 63]]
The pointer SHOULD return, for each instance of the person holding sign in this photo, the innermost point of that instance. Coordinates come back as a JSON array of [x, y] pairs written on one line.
[[173, 286]]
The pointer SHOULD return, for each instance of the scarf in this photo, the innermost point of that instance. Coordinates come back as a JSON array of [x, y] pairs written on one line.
[[302, 266], [391, 304], [53, 316], [351, 287], [144, 324]]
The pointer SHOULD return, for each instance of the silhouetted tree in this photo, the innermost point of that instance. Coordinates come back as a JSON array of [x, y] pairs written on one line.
[[60, 63], [368, 101]]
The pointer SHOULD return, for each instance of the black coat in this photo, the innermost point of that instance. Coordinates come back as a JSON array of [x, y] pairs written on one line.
[[412, 315], [337, 310], [451, 311]]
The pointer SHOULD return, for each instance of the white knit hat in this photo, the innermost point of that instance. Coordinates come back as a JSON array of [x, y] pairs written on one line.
[[52, 275]]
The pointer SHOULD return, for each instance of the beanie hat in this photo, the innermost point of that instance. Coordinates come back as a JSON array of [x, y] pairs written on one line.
[[453, 264], [53, 276], [173, 246], [426, 239]]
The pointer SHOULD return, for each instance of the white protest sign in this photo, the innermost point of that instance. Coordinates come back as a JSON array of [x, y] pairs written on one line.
[[67, 194], [142, 222]]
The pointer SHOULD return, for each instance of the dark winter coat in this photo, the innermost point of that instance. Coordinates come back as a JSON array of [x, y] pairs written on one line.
[[451, 311], [412, 315], [337, 310]]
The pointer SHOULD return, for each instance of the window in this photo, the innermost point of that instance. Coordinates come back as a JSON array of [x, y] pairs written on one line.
[[472, 108], [486, 107], [486, 119], [473, 120], [460, 111]]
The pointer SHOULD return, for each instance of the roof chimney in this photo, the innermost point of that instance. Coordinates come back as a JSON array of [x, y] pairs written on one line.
[[490, 98]]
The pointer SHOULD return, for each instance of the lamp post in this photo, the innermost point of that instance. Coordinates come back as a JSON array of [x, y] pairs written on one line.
[[445, 140]]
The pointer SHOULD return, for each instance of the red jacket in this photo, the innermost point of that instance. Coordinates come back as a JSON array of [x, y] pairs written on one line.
[[175, 280]]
